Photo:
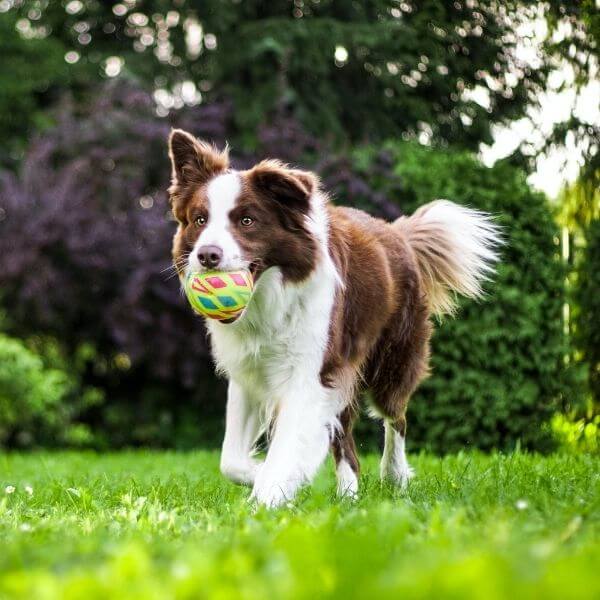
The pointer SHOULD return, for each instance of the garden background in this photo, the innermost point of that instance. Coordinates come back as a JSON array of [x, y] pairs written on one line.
[[390, 102], [110, 414]]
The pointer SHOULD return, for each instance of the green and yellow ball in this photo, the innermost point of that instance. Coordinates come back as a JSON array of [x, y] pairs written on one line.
[[220, 295]]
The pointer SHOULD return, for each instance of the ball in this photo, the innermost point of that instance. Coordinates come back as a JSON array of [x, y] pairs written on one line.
[[220, 295]]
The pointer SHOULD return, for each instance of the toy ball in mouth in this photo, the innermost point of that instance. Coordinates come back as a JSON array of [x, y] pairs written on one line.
[[219, 295]]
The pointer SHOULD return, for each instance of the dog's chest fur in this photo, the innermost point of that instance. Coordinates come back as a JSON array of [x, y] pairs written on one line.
[[281, 338]]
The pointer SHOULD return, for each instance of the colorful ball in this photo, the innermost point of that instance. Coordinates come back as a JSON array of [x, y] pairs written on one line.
[[220, 295]]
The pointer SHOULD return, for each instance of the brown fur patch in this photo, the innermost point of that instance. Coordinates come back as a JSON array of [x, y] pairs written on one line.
[[193, 163], [365, 303], [191, 205], [278, 202], [342, 444], [380, 324]]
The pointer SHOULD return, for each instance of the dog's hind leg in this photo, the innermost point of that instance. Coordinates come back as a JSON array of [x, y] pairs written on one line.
[[394, 464], [397, 369], [344, 452]]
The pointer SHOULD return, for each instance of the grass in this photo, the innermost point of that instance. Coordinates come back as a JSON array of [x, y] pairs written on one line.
[[167, 525]]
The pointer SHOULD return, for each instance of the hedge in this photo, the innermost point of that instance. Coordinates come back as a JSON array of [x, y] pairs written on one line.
[[587, 299], [498, 367], [37, 403]]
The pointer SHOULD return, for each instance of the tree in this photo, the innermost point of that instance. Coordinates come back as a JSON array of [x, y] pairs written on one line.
[[33, 70], [587, 311], [574, 41], [357, 70]]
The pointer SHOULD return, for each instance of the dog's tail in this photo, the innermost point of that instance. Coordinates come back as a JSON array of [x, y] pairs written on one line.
[[456, 248]]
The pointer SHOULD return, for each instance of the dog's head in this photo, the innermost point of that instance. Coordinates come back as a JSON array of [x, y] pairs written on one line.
[[229, 220]]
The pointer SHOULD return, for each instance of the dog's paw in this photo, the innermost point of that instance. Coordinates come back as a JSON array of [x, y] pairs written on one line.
[[243, 472], [269, 497], [405, 475], [399, 475], [347, 482], [272, 492]]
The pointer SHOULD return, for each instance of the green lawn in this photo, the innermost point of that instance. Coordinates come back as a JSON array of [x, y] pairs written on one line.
[[167, 525]]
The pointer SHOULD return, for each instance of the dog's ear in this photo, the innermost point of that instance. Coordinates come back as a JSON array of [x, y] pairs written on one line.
[[192, 160], [290, 188]]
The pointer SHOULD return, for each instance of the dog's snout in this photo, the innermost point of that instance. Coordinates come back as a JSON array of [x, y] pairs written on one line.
[[210, 256]]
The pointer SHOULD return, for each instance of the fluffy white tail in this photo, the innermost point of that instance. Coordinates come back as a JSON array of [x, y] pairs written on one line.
[[456, 248]]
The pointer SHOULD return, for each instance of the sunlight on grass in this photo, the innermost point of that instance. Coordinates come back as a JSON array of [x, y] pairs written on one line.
[[167, 525]]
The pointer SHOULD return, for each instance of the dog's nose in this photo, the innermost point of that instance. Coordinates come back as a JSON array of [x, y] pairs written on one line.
[[210, 256]]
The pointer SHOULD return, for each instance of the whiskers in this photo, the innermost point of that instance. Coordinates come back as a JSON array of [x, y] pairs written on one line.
[[178, 265]]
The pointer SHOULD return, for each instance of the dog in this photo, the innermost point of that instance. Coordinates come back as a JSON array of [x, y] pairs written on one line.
[[343, 301]]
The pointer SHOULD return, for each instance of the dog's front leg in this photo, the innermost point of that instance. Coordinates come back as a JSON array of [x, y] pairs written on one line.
[[242, 428], [299, 444]]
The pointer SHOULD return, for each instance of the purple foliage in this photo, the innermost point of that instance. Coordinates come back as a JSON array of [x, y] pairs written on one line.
[[85, 229], [85, 236]]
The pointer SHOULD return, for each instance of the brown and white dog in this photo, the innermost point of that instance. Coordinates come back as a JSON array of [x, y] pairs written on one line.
[[342, 302]]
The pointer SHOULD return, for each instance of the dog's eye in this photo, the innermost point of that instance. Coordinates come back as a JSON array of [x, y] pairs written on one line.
[[246, 221], [200, 221]]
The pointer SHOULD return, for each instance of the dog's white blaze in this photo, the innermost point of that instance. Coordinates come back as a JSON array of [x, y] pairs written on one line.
[[274, 353], [222, 192], [394, 465]]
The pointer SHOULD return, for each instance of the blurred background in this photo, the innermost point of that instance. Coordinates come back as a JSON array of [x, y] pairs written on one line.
[[394, 103]]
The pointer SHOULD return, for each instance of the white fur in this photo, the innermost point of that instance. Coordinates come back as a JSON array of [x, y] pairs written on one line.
[[347, 482], [222, 193], [456, 248], [394, 465], [274, 353], [475, 239], [242, 429]]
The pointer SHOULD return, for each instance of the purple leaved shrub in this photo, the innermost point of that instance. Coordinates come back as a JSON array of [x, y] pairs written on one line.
[[85, 236]]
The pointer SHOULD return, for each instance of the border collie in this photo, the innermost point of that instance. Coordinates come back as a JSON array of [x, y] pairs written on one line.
[[343, 302]]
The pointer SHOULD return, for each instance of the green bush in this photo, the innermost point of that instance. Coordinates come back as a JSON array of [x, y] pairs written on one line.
[[497, 368], [37, 406], [581, 436], [33, 67], [587, 300]]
